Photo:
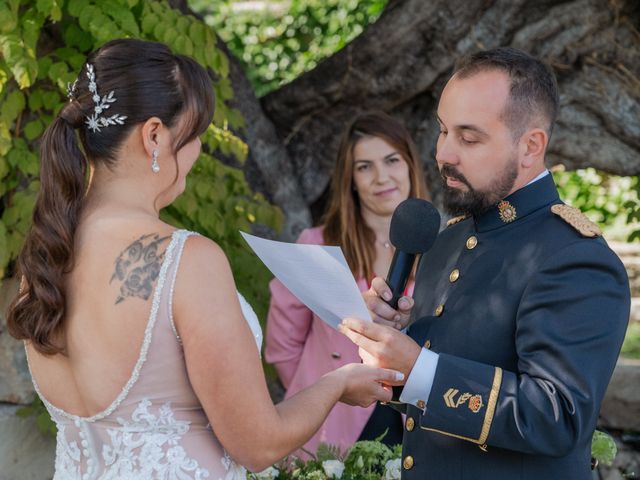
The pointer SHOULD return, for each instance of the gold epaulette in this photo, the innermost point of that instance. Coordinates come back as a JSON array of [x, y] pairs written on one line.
[[454, 220], [577, 220]]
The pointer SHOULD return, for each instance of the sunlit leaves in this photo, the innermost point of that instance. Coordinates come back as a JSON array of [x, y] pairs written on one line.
[[277, 45]]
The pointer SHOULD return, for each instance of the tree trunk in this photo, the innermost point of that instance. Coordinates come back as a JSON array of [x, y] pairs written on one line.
[[400, 65]]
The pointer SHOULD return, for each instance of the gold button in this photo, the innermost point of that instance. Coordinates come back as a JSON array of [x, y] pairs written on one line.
[[439, 310], [407, 463], [454, 275], [335, 355], [427, 344], [410, 424], [472, 242], [420, 404]]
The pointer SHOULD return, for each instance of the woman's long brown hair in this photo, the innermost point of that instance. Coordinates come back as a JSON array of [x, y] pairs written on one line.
[[343, 221], [147, 80]]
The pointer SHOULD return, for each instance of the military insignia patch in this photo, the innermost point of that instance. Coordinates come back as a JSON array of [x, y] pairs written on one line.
[[506, 211], [454, 220], [475, 403], [450, 400], [450, 397], [577, 220]]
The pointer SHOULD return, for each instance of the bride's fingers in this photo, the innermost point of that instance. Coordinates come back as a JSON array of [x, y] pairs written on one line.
[[383, 394], [390, 377]]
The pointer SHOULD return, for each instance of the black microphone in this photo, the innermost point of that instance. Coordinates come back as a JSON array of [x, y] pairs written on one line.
[[414, 228]]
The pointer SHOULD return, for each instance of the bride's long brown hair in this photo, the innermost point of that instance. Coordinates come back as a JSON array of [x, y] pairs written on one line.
[[147, 80], [343, 221]]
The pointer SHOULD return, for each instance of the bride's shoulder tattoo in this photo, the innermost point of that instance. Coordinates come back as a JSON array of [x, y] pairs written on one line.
[[138, 266]]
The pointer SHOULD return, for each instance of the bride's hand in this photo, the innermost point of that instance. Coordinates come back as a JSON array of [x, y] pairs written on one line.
[[364, 384]]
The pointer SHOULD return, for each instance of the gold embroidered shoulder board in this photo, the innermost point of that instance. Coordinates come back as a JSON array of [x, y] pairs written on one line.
[[577, 220], [454, 220]]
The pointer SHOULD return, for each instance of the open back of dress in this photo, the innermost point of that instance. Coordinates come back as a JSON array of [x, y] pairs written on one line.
[[156, 428]]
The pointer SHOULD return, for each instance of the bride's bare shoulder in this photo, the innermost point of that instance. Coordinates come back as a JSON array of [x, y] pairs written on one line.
[[203, 265], [202, 253]]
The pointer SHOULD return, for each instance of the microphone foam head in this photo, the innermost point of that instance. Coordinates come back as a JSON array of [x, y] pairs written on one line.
[[414, 226]]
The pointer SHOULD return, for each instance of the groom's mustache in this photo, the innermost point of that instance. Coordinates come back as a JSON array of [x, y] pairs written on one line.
[[452, 172]]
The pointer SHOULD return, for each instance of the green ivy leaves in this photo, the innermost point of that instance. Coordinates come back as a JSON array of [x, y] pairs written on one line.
[[44, 44]]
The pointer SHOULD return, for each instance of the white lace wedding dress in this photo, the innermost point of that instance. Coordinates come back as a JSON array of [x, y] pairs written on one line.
[[156, 427]]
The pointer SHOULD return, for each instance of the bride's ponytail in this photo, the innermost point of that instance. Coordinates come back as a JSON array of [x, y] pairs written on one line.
[[121, 86], [48, 248]]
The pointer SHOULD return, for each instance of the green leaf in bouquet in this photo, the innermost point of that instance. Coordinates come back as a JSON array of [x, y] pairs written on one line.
[[603, 448]]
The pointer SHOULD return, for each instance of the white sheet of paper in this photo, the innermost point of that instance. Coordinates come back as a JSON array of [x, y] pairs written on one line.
[[317, 275]]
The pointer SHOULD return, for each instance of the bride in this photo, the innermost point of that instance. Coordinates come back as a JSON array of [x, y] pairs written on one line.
[[136, 337]]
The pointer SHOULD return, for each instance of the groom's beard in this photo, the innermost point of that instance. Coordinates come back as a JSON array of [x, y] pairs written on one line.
[[473, 201]]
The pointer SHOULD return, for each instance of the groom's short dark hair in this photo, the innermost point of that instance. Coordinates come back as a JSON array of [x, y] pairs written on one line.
[[533, 92]]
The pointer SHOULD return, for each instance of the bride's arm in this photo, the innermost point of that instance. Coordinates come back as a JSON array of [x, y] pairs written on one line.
[[226, 373]]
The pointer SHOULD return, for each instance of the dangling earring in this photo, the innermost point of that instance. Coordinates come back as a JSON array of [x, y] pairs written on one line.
[[154, 164]]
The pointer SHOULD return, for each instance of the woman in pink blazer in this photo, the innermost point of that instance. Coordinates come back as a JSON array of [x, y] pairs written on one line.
[[377, 168]]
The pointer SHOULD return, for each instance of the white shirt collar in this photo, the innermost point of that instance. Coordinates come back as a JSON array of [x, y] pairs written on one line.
[[542, 175]]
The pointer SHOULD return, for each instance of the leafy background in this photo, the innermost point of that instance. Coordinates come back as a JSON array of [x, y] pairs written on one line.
[[44, 44]]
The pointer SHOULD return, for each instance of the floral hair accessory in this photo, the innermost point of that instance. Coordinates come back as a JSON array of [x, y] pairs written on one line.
[[71, 90], [101, 104]]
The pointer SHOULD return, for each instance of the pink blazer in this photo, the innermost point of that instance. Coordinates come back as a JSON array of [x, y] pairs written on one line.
[[303, 348]]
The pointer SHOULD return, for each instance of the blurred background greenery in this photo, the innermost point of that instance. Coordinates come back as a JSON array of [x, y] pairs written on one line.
[[277, 41]]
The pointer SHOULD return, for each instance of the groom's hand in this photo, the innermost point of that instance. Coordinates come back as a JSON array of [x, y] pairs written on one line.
[[382, 346], [380, 311]]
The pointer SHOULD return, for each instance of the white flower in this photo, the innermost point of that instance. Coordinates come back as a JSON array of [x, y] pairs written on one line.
[[333, 468], [270, 473], [93, 123], [392, 469]]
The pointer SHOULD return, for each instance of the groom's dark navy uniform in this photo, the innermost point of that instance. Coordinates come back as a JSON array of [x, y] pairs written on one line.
[[527, 307]]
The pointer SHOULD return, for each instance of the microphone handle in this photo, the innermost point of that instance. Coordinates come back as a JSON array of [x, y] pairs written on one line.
[[399, 272]]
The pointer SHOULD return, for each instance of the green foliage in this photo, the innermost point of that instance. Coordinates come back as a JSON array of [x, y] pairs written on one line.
[[33, 79], [631, 345], [372, 460], [610, 201], [282, 41], [632, 207], [365, 460], [603, 448], [43, 44], [43, 420]]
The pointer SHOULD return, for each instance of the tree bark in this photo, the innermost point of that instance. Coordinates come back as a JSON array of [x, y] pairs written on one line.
[[400, 64]]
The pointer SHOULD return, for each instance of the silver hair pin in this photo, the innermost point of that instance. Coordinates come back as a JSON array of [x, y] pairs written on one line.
[[71, 89], [101, 104]]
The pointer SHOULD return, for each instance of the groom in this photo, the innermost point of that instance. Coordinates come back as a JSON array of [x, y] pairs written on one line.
[[520, 306]]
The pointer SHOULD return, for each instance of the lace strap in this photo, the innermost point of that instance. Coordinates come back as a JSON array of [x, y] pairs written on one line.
[[178, 255]]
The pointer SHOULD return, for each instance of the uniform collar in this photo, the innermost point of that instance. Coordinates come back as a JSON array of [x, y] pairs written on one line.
[[518, 205]]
